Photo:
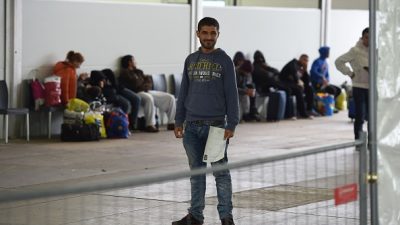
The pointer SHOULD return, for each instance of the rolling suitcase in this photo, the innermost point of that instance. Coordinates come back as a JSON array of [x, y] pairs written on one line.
[[291, 108], [276, 106]]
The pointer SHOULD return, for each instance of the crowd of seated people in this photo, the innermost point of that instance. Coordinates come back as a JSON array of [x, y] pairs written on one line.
[[132, 89], [295, 79]]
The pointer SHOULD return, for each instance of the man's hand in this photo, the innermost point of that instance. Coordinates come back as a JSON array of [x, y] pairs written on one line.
[[228, 134], [179, 132], [325, 82], [251, 92]]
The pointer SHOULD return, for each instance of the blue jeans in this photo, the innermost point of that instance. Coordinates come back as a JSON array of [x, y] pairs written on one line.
[[134, 100], [361, 105], [194, 141]]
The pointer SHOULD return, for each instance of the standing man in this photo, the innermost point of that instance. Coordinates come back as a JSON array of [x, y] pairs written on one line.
[[357, 56], [208, 97]]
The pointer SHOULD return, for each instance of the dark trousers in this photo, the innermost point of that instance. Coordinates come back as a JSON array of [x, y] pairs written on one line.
[[297, 91], [253, 108], [361, 104], [330, 89], [309, 97]]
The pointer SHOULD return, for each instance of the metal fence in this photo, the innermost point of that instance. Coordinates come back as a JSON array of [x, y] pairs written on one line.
[[292, 189]]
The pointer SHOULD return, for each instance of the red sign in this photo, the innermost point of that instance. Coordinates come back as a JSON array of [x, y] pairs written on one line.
[[345, 194]]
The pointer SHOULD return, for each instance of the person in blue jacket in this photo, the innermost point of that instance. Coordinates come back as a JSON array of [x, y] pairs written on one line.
[[208, 97], [320, 74]]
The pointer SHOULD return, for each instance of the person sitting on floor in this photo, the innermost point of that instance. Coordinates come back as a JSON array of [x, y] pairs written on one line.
[[134, 79]]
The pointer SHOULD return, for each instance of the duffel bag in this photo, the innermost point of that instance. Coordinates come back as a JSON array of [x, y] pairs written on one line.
[[80, 132]]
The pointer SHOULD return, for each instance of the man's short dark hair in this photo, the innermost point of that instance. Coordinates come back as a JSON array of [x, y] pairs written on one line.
[[365, 31], [125, 61], [208, 21], [303, 56]]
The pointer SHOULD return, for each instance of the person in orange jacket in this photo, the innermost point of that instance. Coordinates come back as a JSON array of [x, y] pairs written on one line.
[[67, 71]]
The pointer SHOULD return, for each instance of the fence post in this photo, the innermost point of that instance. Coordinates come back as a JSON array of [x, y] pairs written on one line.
[[363, 174]]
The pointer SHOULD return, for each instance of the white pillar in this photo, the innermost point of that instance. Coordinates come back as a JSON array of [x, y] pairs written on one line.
[[13, 58], [196, 13], [326, 7], [13, 49]]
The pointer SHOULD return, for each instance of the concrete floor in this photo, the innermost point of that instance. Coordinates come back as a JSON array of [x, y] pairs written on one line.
[[44, 162]]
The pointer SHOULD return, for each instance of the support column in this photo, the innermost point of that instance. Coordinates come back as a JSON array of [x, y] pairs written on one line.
[[13, 49], [373, 108], [196, 13], [326, 7]]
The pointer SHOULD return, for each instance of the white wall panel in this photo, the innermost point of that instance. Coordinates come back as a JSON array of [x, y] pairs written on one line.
[[281, 34], [345, 30], [2, 40], [156, 34]]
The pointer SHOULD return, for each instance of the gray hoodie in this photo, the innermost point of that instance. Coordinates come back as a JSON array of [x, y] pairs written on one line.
[[357, 56], [208, 89]]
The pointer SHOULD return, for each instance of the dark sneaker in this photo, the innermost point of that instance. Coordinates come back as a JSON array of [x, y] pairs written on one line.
[[227, 221], [313, 113], [187, 220], [171, 126], [307, 116], [151, 129]]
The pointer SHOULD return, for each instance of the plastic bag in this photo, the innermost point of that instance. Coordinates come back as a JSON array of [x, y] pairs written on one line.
[[93, 117], [52, 87], [38, 93], [78, 105]]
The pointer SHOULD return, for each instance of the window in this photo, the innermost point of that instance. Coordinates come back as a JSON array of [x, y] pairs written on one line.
[[153, 1], [353, 4], [276, 3]]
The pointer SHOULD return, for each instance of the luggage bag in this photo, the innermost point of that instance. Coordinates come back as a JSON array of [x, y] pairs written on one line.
[[276, 106]]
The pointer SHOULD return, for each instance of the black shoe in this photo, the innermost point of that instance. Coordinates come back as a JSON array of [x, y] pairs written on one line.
[[187, 220], [306, 116], [151, 129], [251, 117], [256, 116], [171, 126], [227, 221], [313, 113]]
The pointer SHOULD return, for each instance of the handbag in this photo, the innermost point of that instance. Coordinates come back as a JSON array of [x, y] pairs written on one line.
[[52, 88]]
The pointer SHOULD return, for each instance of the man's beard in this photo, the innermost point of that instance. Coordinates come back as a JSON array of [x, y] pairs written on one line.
[[208, 44]]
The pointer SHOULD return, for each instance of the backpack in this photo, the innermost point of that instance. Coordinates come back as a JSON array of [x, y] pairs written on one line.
[[117, 124], [325, 104]]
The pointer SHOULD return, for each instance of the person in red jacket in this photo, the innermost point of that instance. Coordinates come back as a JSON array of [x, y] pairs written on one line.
[[67, 71]]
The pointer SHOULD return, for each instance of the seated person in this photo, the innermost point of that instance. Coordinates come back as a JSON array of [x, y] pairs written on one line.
[[295, 77], [320, 74], [265, 77], [134, 79], [128, 100], [247, 92], [67, 71], [238, 59]]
